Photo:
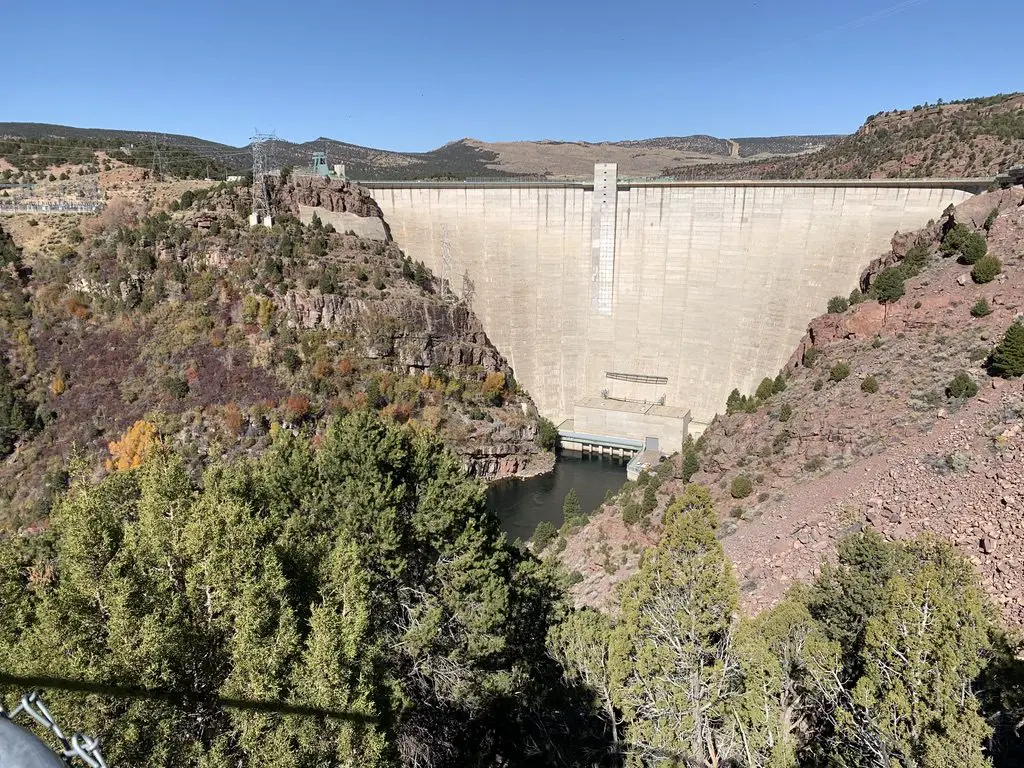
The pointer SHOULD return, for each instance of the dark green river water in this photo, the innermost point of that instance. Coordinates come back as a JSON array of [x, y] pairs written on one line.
[[521, 504]]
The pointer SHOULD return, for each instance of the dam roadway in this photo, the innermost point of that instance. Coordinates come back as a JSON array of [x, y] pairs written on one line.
[[623, 306]]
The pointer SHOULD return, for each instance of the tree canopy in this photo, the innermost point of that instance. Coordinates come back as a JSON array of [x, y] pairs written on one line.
[[362, 577]]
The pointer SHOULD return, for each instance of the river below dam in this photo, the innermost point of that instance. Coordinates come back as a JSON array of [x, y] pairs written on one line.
[[521, 504]]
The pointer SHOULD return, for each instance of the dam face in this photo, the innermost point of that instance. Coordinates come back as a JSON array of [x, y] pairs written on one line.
[[606, 296]]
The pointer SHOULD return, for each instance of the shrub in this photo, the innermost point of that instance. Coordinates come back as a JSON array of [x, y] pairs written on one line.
[[785, 412], [981, 308], [991, 219], [869, 385], [838, 372], [780, 441], [547, 434], [543, 534], [176, 386], [779, 385], [837, 305], [741, 487], [856, 297], [811, 355], [915, 260], [296, 407], [817, 385], [962, 386], [888, 286], [986, 269], [291, 360], [814, 464], [969, 244], [1007, 359]]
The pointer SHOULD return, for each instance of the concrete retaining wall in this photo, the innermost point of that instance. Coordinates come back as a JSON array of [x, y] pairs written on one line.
[[712, 286], [368, 227]]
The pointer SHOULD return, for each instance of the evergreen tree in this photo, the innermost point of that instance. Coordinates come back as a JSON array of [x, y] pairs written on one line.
[[914, 703], [674, 669], [888, 286], [765, 389], [581, 642], [15, 414], [364, 578], [1007, 359], [572, 511]]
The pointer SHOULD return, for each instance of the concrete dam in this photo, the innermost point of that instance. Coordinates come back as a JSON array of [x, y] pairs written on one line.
[[633, 309]]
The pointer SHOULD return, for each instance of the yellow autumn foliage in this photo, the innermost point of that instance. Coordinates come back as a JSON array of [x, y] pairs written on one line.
[[134, 447]]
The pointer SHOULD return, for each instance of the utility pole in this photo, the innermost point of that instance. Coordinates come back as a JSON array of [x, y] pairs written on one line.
[[260, 196]]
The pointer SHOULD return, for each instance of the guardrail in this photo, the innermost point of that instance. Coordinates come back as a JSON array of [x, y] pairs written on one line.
[[52, 208]]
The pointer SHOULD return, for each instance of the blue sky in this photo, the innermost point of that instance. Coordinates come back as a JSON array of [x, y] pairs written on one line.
[[414, 75]]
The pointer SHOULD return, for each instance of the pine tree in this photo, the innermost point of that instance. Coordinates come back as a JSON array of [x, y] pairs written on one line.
[[1008, 358], [581, 642]]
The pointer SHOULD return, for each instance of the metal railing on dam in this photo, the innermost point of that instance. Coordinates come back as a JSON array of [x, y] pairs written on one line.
[[52, 208], [972, 184]]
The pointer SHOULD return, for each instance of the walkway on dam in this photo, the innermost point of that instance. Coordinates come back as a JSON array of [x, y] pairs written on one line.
[[973, 185]]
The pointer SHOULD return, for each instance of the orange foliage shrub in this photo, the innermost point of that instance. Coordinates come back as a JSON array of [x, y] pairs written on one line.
[[233, 419], [135, 446], [77, 308], [296, 407], [398, 412], [57, 384], [321, 369]]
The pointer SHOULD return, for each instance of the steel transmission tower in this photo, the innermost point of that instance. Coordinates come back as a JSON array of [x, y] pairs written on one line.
[[447, 293], [260, 165], [158, 162]]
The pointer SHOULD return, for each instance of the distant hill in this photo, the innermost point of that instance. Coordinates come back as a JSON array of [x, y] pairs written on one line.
[[974, 137], [34, 144]]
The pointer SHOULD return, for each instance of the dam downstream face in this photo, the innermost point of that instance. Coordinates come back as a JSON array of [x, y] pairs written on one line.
[[680, 291]]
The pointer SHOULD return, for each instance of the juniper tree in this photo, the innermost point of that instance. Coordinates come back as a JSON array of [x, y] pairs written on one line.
[[677, 678]]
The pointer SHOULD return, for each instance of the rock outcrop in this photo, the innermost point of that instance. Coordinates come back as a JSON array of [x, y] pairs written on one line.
[[416, 333], [333, 195]]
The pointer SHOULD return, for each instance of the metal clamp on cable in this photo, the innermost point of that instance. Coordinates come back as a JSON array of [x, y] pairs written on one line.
[[20, 748]]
